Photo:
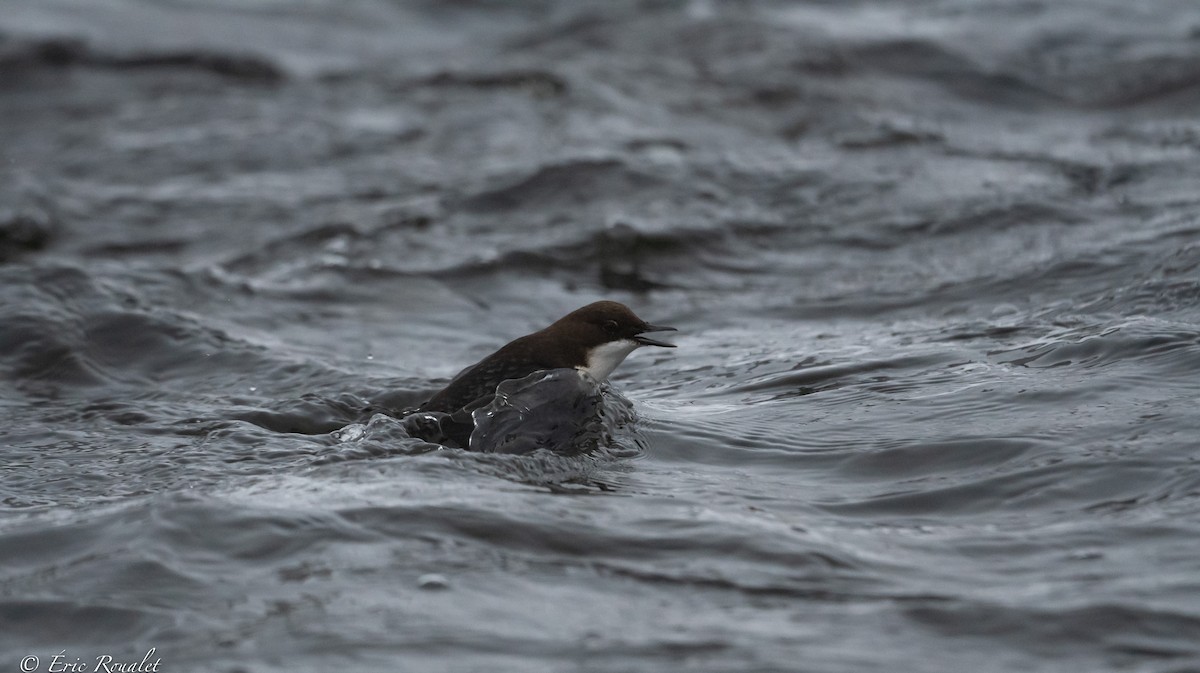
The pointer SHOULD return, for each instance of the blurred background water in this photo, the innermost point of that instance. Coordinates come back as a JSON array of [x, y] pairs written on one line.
[[935, 264]]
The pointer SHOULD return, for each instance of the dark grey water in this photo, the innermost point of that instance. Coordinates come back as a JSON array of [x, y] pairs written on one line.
[[936, 266]]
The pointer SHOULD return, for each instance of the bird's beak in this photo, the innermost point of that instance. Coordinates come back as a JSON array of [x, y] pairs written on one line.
[[647, 341]]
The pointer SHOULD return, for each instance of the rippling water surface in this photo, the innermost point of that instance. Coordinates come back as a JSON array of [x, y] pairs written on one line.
[[935, 265]]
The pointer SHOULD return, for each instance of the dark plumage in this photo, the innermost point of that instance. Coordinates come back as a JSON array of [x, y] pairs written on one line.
[[571, 342]]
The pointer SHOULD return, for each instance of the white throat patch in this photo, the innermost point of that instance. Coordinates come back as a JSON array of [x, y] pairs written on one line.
[[603, 359]]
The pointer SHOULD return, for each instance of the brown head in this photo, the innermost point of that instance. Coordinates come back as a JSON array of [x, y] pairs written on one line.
[[605, 332]]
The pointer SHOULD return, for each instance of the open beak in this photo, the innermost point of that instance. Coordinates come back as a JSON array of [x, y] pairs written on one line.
[[647, 341]]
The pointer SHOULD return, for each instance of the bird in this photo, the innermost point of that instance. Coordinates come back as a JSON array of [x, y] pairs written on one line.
[[594, 340]]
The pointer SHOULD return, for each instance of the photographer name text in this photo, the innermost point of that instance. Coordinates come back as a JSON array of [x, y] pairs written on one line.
[[105, 663]]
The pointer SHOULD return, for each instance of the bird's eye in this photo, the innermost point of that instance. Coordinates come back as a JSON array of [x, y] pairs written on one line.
[[610, 325]]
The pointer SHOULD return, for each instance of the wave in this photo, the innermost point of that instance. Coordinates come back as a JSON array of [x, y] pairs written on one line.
[[20, 55], [1171, 347], [61, 326], [1131, 632]]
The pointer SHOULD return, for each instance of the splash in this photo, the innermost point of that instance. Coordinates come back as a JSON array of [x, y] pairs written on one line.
[[561, 411]]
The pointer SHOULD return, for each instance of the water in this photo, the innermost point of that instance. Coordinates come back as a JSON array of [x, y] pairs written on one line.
[[935, 267]]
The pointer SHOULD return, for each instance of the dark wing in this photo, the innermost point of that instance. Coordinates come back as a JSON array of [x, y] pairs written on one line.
[[479, 381]]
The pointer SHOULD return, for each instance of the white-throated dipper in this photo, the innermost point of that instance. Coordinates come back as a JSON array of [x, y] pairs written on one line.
[[593, 339]]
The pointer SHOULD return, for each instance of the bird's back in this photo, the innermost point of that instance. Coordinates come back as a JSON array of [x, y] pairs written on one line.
[[517, 359]]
